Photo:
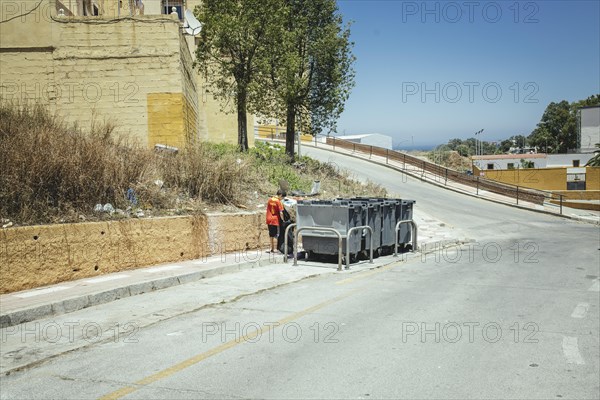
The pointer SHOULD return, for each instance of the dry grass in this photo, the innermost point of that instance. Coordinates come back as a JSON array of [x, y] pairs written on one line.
[[49, 169], [53, 172]]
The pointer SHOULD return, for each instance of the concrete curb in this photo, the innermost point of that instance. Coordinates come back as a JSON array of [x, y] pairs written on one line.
[[76, 303]]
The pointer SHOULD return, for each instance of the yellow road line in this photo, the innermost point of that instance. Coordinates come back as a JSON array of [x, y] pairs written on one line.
[[165, 373]]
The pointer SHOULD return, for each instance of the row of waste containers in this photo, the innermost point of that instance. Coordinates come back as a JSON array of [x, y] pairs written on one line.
[[381, 214]]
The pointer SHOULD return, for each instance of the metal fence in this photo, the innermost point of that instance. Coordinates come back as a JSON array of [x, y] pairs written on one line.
[[443, 174]]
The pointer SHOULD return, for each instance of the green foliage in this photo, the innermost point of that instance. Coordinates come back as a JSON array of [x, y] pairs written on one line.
[[557, 130], [310, 71], [235, 36], [269, 153], [526, 163], [466, 148]]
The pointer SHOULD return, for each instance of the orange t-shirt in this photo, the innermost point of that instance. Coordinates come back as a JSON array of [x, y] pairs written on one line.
[[274, 207]]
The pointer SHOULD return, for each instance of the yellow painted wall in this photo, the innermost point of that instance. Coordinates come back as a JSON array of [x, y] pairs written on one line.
[[166, 123], [592, 178], [271, 131], [543, 179], [35, 256], [278, 132]]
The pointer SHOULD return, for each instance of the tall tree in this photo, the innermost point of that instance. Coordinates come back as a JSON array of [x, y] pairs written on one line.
[[556, 130], [312, 67], [236, 35]]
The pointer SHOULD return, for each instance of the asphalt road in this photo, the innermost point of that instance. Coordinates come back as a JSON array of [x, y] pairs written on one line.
[[514, 314]]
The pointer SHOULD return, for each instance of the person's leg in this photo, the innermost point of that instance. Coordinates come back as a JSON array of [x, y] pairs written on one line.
[[273, 237]]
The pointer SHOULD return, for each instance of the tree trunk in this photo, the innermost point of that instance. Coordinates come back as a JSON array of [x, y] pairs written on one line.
[[242, 120], [290, 129]]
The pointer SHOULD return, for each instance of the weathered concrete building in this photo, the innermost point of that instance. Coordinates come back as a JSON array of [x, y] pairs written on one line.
[[132, 70]]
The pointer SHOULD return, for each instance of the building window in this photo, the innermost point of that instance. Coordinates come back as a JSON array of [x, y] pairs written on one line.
[[511, 165], [576, 163], [169, 5], [490, 166]]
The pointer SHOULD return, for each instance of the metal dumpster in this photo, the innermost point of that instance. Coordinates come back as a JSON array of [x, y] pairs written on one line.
[[374, 219], [338, 214], [405, 213]]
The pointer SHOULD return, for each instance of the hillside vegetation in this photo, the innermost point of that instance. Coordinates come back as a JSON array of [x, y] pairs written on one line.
[[51, 172]]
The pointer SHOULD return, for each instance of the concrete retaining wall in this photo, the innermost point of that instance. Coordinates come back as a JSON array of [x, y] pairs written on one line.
[[35, 256]]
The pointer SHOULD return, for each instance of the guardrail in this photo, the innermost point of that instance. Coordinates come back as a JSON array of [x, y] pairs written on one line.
[[413, 235], [340, 241]]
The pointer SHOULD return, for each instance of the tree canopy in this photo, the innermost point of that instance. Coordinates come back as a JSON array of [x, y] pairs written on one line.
[[557, 130], [277, 58], [236, 35]]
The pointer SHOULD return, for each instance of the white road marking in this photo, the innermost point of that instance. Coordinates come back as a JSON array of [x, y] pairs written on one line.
[[571, 351], [106, 278], [161, 269], [42, 291], [580, 310], [595, 287]]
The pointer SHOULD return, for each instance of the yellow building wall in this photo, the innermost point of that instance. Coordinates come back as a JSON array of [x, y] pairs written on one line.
[[166, 124], [543, 179], [592, 178], [93, 71], [268, 131]]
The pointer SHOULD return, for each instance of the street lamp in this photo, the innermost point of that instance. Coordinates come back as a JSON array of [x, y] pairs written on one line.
[[478, 144]]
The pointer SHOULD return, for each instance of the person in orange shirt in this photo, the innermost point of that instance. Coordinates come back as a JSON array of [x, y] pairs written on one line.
[[274, 216]]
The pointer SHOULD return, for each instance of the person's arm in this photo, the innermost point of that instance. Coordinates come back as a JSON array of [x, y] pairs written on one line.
[[281, 208]]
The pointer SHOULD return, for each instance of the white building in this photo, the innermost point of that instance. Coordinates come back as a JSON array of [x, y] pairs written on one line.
[[508, 161], [540, 160], [589, 128]]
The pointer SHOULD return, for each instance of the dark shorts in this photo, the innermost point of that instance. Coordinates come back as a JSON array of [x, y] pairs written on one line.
[[273, 231]]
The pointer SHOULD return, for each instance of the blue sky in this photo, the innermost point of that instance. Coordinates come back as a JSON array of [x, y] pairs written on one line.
[[432, 71]]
